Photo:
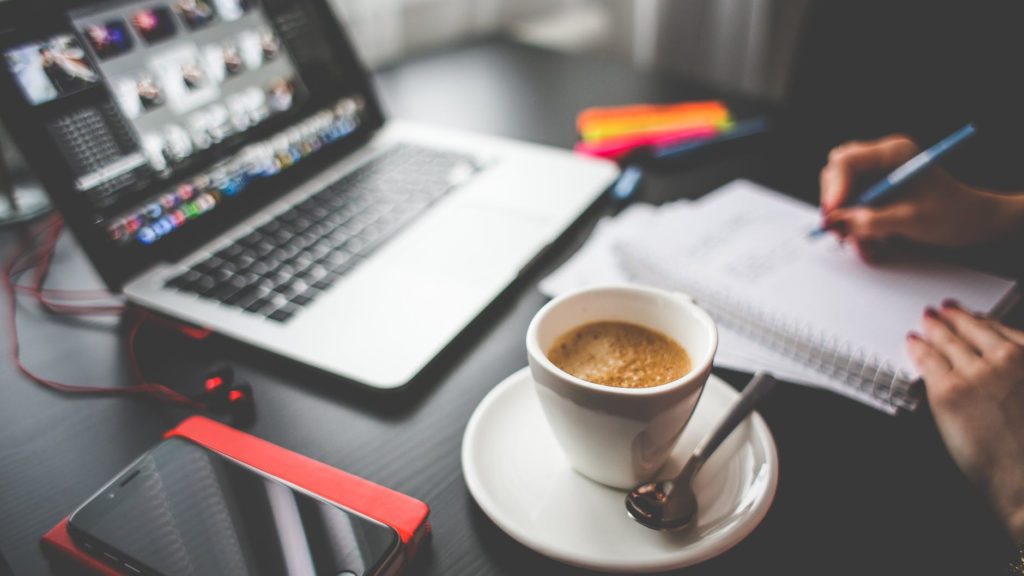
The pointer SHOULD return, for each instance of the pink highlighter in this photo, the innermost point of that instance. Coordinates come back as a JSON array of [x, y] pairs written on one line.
[[615, 148]]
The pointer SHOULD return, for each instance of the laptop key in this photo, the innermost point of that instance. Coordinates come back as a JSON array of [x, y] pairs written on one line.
[[253, 294], [296, 287], [263, 248], [306, 297], [337, 256], [242, 298], [243, 261], [329, 279], [203, 285], [313, 273], [301, 300], [224, 290], [271, 228], [224, 273], [261, 267], [284, 313], [209, 265], [231, 252], [256, 305], [183, 281], [286, 270], [249, 240]]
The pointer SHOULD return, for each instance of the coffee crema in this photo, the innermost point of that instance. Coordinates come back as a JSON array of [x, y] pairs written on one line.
[[620, 354]]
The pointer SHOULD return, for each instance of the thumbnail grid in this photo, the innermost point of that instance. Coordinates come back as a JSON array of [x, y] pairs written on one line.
[[190, 73]]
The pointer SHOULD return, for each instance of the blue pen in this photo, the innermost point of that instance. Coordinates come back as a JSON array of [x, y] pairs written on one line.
[[887, 188]]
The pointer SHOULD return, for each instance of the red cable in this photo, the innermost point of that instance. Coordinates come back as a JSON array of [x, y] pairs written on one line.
[[42, 270], [25, 259]]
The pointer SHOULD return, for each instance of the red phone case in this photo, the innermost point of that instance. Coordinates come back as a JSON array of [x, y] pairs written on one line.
[[407, 515]]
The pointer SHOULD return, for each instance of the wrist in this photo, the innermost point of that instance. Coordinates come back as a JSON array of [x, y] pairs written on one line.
[[1006, 493], [1008, 214], [1015, 526]]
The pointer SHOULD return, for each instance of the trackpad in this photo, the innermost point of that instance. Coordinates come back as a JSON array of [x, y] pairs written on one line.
[[407, 301]]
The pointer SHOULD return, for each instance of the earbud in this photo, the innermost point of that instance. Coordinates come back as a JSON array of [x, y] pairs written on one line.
[[222, 394]]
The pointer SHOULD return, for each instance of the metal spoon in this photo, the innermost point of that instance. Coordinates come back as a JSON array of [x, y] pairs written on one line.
[[671, 504]]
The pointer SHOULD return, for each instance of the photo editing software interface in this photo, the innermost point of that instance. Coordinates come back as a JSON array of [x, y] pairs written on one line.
[[177, 85]]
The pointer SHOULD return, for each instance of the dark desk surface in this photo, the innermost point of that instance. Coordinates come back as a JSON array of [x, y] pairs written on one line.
[[859, 491]]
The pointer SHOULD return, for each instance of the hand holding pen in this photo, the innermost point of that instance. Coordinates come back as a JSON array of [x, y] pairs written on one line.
[[926, 205]]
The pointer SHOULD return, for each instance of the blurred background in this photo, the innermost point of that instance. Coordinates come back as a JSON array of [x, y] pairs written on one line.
[[742, 46]]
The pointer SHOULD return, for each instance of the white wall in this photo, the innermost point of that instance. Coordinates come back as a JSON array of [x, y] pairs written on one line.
[[740, 45]]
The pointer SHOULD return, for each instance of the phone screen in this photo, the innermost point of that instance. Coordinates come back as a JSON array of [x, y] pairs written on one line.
[[182, 509]]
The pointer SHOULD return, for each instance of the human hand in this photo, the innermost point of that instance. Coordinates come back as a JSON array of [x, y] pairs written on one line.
[[934, 209], [973, 370]]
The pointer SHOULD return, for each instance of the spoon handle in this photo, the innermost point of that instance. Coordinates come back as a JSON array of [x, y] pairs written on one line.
[[758, 388]]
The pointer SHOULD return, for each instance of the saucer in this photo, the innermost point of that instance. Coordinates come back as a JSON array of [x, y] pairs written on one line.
[[518, 475]]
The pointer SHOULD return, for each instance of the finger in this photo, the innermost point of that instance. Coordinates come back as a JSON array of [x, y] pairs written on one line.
[[870, 251], [929, 361], [959, 353], [977, 332], [876, 223], [853, 159], [1009, 333], [835, 184]]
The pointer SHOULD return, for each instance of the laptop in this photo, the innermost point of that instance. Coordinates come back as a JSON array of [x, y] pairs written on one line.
[[227, 163]]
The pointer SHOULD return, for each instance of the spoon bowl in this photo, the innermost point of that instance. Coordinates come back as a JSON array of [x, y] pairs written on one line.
[[650, 505], [671, 505]]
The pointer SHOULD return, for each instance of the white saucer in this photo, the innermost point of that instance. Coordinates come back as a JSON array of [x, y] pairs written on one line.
[[515, 470]]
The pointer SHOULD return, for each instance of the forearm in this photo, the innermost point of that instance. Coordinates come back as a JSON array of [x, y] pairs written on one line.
[[1007, 489], [1007, 497], [1015, 525]]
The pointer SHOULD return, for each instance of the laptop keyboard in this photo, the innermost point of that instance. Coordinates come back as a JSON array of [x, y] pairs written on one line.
[[282, 266]]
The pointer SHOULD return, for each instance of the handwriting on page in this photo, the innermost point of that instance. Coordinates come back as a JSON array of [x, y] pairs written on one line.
[[769, 259], [744, 246]]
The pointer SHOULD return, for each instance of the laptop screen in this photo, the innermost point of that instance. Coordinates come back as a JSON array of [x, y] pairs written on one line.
[[163, 117]]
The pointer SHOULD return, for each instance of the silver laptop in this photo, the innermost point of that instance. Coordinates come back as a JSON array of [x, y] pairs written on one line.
[[226, 163]]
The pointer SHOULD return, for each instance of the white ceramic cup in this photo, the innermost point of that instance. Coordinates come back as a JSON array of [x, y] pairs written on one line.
[[620, 437]]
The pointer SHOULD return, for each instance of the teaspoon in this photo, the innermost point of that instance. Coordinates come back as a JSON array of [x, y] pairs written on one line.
[[671, 504]]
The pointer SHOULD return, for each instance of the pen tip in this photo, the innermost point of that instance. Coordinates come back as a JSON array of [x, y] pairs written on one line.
[[816, 233]]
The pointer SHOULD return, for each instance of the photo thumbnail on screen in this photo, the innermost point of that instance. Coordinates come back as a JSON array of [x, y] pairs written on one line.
[[51, 69], [195, 13], [231, 9], [109, 39], [154, 24]]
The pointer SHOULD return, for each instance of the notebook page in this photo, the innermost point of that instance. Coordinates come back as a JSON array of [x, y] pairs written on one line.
[[751, 244]]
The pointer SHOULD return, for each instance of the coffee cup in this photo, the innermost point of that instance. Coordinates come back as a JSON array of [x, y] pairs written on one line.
[[617, 436]]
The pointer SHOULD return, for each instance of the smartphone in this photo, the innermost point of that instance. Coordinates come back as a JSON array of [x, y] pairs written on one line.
[[182, 509]]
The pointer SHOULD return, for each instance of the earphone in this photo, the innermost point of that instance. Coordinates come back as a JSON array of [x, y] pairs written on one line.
[[222, 393]]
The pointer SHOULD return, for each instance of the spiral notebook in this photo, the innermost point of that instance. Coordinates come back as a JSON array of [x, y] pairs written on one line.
[[808, 307]]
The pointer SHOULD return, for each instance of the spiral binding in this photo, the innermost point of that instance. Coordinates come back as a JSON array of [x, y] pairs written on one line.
[[816, 349]]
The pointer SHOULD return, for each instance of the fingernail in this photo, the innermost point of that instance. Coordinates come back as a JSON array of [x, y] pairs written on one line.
[[913, 335], [950, 303], [931, 312]]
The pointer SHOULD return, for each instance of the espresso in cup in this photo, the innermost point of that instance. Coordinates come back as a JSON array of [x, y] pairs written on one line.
[[620, 354], [620, 436]]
